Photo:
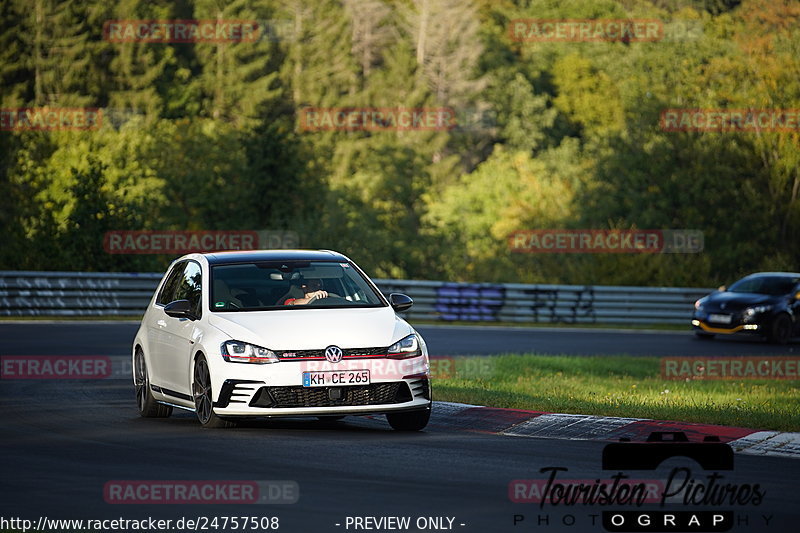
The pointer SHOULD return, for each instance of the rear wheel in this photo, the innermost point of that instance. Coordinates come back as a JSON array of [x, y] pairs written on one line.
[[780, 330], [201, 391], [409, 420], [148, 406]]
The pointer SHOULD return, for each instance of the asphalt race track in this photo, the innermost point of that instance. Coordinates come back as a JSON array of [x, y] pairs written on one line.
[[114, 338], [62, 441], [465, 340]]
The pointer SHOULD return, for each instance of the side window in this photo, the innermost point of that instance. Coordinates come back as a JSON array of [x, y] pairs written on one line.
[[189, 286], [167, 293]]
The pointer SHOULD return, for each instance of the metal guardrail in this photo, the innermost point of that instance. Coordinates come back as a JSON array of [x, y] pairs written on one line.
[[75, 293], [124, 294]]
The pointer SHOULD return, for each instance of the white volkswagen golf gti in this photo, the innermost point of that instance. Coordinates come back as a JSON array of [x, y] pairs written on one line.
[[278, 333]]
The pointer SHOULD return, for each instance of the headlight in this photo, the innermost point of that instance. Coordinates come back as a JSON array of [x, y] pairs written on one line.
[[242, 352], [698, 304], [405, 348], [752, 311]]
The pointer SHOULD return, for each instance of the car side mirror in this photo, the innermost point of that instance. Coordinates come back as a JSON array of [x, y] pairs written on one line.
[[722, 288], [400, 302], [180, 309]]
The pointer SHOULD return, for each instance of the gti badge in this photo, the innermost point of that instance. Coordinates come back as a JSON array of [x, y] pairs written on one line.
[[333, 354]]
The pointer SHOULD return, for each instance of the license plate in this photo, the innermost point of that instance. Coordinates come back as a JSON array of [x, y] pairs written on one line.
[[720, 319], [335, 378]]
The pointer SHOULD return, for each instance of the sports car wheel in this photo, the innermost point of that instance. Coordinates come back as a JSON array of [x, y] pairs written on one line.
[[780, 330], [148, 406], [201, 391]]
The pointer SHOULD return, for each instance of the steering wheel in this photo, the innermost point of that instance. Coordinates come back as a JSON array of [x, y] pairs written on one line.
[[331, 296]]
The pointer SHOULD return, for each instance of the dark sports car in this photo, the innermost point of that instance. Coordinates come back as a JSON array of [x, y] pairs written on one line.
[[766, 304]]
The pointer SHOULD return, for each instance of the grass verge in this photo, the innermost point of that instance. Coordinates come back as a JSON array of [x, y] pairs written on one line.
[[624, 386]]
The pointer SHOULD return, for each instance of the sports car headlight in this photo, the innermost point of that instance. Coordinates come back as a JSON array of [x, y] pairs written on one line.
[[242, 352], [752, 311], [405, 348], [699, 304]]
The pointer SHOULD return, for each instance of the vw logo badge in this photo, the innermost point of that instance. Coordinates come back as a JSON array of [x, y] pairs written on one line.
[[722, 306], [333, 354]]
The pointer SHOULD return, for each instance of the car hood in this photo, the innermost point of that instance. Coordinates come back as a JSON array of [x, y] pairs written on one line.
[[735, 301], [312, 329]]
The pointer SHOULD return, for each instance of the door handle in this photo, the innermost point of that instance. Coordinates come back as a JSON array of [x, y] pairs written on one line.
[[161, 324]]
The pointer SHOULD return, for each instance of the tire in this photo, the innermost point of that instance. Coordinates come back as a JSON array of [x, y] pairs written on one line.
[[409, 420], [704, 336], [148, 406], [203, 400], [780, 330]]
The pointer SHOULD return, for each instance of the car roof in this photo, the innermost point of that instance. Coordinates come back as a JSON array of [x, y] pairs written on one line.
[[781, 274], [250, 256]]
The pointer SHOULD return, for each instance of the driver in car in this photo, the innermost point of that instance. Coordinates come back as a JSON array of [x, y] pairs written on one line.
[[312, 291]]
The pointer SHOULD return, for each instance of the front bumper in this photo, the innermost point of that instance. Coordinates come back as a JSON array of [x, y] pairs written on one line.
[[277, 389], [700, 322]]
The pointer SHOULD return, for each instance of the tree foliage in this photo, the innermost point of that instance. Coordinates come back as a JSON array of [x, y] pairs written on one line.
[[208, 135]]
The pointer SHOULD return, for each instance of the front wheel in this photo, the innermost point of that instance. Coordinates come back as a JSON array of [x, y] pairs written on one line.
[[780, 330], [148, 406], [201, 391], [409, 420]]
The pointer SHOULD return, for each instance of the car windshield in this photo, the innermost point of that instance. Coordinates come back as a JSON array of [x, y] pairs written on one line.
[[284, 285], [771, 285]]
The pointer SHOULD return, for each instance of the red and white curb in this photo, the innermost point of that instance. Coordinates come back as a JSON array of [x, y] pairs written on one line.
[[769, 443], [522, 423]]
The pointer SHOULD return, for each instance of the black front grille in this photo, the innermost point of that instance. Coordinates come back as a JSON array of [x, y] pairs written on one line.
[[288, 355], [364, 351], [374, 394]]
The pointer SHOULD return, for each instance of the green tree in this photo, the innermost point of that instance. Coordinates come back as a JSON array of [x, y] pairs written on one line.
[[238, 80], [15, 74], [146, 78], [65, 52]]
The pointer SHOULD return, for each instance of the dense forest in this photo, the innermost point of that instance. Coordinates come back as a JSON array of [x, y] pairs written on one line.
[[547, 134]]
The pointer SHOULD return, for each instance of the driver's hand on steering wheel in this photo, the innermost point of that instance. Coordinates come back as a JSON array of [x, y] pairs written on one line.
[[316, 295]]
